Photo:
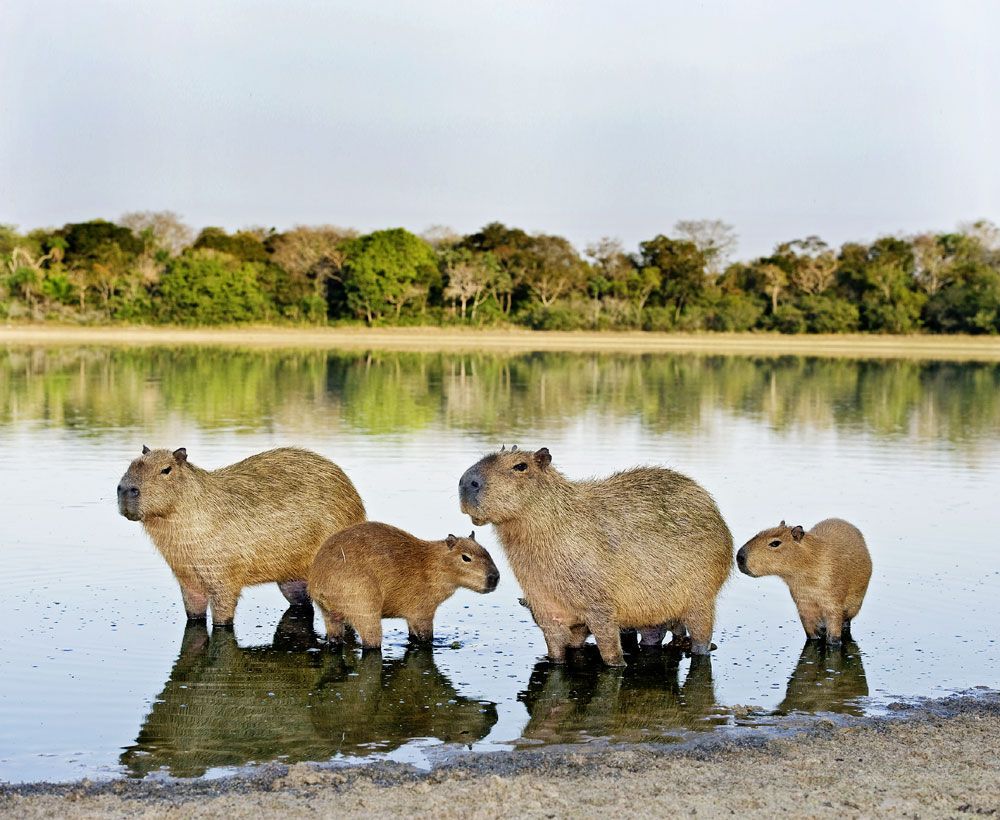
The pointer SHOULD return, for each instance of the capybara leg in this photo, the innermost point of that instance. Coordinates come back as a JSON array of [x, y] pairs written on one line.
[[834, 625], [578, 636], [558, 637], [224, 607], [295, 592], [653, 635], [195, 602], [845, 629], [421, 629], [334, 626], [699, 623], [629, 639], [609, 641], [369, 629], [811, 622]]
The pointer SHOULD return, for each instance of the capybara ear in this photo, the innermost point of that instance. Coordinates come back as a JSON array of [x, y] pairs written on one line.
[[797, 533], [451, 541], [782, 524], [472, 535], [543, 458], [145, 449], [181, 455], [513, 448]]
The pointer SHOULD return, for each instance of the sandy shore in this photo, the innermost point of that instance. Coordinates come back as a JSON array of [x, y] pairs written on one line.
[[952, 348], [938, 759]]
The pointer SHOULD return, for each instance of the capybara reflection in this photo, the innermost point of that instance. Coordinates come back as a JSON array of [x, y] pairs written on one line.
[[259, 520], [641, 549], [373, 704], [827, 570], [582, 699], [226, 705], [373, 571], [827, 679]]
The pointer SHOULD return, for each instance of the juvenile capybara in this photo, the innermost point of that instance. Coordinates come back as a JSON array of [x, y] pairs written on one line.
[[642, 549], [827, 570], [259, 520], [373, 571]]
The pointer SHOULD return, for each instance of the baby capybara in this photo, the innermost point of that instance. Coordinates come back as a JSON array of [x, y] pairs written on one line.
[[827, 570], [373, 571], [641, 549], [259, 520]]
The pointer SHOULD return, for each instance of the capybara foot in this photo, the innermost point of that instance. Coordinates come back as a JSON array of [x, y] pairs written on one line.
[[295, 592], [226, 625], [195, 617], [702, 648]]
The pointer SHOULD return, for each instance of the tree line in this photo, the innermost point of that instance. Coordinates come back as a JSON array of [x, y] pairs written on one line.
[[148, 267]]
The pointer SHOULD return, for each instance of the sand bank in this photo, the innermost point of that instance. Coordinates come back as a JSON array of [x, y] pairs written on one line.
[[951, 348]]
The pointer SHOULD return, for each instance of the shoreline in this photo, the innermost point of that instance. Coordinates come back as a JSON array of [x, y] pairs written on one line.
[[435, 339], [937, 757]]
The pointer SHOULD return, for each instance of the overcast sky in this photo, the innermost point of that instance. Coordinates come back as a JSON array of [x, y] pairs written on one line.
[[580, 118]]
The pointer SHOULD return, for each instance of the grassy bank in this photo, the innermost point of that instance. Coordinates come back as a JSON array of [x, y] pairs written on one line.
[[945, 348]]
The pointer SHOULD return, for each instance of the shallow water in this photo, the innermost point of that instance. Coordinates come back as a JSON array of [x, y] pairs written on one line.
[[99, 676]]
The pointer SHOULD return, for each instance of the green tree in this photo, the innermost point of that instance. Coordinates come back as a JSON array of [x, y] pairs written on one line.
[[390, 268], [681, 268], [207, 287]]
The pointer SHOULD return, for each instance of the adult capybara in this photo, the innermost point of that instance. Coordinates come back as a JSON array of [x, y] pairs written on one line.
[[259, 520], [643, 548], [372, 571], [827, 570]]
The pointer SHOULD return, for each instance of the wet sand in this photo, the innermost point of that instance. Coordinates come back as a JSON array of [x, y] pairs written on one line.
[[936, 759], [951, 348]]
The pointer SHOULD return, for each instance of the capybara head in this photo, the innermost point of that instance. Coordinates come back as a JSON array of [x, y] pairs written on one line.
[[469, 565], [152, 483], [772, 552], [501, 485]]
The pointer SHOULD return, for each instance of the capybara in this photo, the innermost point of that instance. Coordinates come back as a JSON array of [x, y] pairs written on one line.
[[373, 571], [259, 520], [827, 570], [641, 549]]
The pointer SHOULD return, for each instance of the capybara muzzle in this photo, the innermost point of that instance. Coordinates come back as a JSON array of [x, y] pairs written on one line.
[[128, 502], [470, 485]]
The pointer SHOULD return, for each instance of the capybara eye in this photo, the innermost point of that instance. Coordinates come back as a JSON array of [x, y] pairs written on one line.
[[165, 470], [466, 558], [775, 543], [521, 466]]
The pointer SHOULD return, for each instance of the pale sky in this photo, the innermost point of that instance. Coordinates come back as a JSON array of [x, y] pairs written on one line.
[[586, 119]]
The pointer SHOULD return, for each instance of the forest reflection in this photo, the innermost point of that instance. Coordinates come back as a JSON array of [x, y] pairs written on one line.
[[93, 390]]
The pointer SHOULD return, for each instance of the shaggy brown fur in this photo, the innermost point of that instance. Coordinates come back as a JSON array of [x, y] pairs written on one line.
[[639, 549], [827, 571], [373, 571], [259, 520]]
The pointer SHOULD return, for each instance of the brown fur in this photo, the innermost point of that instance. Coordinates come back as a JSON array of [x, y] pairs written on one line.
[[372, 571], [640, 549], [259, 520], [827, 570]]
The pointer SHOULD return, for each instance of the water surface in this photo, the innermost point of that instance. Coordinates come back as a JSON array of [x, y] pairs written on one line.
[[101, 678]]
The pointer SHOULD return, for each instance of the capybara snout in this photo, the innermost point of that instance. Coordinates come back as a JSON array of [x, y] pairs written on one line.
[[472, 566]]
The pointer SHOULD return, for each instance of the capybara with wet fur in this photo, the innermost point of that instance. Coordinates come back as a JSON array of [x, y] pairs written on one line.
[[373, 571], [642, 549], [259, 520], [827, 570]]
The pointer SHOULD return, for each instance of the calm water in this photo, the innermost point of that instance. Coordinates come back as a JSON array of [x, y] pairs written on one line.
[[100, 678]]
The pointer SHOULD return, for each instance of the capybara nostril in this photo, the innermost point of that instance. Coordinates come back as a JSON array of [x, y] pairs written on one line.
[[134, 492], [741, 559], [474, 484], [121, 490], [492, 579]]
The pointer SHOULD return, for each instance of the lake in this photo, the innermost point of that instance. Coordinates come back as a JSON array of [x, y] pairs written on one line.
[[101, 678]]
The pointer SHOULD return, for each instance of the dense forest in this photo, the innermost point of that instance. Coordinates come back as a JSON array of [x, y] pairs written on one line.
[[151, 268]]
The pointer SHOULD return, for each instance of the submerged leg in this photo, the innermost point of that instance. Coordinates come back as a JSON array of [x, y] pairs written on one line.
[[700, 623], [421, 629], [224, 606], [369, 629], [653, 635], [608, 637]]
